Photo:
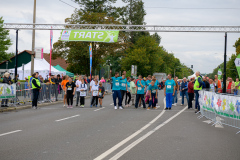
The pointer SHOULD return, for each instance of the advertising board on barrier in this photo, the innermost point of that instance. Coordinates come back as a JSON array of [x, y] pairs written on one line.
[[7, 91], [224, 105]]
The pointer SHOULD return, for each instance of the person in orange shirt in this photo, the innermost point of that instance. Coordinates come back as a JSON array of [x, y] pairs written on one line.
[[218, 84], [63, 85]]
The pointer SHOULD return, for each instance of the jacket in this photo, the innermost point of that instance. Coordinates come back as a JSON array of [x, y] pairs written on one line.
[[7, 80], [232, 87], [190, 87]]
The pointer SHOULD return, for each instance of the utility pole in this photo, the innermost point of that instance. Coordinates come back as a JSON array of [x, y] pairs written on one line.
[[33, 38], [225, 62]]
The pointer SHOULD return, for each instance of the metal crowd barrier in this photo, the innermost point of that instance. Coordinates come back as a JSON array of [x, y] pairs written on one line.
[[220, 108], [48, 93]]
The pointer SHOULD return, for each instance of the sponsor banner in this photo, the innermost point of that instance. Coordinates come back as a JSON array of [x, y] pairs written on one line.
[[219, 73], [237, 63], [89, 35], [7, 91]]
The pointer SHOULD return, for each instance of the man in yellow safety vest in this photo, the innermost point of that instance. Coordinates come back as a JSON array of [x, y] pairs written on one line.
[[197, 87]]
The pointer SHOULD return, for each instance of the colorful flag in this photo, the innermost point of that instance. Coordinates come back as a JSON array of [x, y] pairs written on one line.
[[219, 73], [90, 52], [237, 63]]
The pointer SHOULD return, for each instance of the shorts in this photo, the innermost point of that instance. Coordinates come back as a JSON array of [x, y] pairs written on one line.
[[101, 97]]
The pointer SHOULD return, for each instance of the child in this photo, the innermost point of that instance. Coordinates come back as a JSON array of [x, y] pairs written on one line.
[[153, 93], [70, 90], [95, 93], [101, 93], [83, 93]]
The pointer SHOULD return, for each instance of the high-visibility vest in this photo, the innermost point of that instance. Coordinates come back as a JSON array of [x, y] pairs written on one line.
[[236, 84], [38, 83], [197, 84]]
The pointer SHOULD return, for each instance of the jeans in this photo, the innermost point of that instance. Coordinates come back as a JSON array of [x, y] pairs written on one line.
[[197, 106], [35, 97], [137, 100], [175, 98], [78, 97], [6, 102], [184, 93], [94, 98], [191, 95], [117, 94], [154, 101], [169, 98], [82, 100], [70, 98], [123, 92]]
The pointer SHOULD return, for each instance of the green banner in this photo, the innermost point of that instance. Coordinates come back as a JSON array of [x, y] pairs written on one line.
[[89, 36], [219, 73], [7, 91], [237, 63]]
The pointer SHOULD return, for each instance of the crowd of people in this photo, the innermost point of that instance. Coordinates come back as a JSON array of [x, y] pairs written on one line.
[[141, 91]]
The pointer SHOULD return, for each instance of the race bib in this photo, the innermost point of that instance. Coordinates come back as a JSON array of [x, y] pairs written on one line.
[[100, 94], [117, 84], [69, 89], [95, 93], [153, 91], [139, 88], [169, 87], [83, 93], [123, 85]]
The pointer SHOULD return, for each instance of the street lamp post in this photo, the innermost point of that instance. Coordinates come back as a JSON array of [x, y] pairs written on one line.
[[33, 38]]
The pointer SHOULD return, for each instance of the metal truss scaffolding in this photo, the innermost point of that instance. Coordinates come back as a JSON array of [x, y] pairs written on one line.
[[127, 28]]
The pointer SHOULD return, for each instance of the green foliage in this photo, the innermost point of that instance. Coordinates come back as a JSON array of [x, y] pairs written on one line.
[[5, 42]]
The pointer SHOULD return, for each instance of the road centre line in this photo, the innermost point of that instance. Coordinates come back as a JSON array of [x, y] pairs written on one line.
[[67, 118], [99, 109], [129, 147], [10, 132], [105, 154]]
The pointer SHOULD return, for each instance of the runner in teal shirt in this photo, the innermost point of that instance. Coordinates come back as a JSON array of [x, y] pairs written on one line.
[[140, 91]]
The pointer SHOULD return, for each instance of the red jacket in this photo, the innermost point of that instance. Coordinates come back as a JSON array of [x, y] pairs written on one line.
[[190, 87]]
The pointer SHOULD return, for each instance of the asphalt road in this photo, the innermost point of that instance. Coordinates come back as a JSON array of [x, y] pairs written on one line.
[[56, 133]]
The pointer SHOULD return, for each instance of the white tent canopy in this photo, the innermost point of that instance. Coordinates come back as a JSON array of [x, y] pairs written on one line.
[[40, 65], [194, 75]]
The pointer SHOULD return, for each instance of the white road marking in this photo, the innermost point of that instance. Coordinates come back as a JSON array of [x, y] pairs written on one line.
[[112, 104], [99, 109], [10, 132], [129, 147], [105, 154], [164, 102], [67, 118]]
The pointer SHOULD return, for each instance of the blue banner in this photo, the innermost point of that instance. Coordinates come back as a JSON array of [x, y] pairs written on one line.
[[90, 52]]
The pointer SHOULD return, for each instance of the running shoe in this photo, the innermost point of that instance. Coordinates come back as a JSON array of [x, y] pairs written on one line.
[[71, 106], [148, 108], [166, 109], [115, 107], [68, 107], [154, 107], [64, 105], [120, 107]]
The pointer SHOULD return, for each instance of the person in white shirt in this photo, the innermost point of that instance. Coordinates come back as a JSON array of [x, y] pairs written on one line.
[[83, 93], [78, 83], [95, 94]]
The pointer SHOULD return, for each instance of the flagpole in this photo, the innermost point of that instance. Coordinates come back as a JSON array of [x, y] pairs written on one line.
[[51, 37]]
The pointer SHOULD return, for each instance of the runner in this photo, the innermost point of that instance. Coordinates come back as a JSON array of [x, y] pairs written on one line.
[[95, 94], [149, 80], [128, 95], [140, 92], [116, 90], [101, 93], [152, 88], [124, 88], [70, 90], [169, 91], [78, 84], [83, 93], [63, 85]]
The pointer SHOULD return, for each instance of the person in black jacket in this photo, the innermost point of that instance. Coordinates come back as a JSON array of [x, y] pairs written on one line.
[[207, 85], [36, 86], [7, 80]]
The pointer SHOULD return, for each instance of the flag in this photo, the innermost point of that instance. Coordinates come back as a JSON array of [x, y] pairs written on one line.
[[90, 52], [237, 63], [51, 39], [219, 73]]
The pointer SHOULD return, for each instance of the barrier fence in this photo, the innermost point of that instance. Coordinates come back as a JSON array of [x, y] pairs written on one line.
[[21, 93], [220, 108]]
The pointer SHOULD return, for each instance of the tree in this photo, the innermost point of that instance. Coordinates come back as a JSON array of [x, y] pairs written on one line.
[[76, 53], [145, 53], [5, 42]]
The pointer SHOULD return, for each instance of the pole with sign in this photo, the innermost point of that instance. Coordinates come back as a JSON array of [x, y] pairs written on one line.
[[51, 39], [90, 52], [219, 73]]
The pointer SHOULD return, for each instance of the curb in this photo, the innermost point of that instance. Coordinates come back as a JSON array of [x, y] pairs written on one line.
[[9, 109]]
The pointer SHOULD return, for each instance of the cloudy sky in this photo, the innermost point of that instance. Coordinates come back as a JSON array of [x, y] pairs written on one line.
[[203, 50]]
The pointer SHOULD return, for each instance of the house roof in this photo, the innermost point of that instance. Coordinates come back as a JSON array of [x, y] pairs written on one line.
[[58, 61], [29, 52], [46, 56]]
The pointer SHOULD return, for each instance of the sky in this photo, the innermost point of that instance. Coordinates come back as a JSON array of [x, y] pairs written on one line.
[[204, 51]]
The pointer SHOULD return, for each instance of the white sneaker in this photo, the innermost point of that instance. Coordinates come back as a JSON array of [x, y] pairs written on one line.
[[181, 104], [175, 104], [115, 107], [64, 105], [120, 107]]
